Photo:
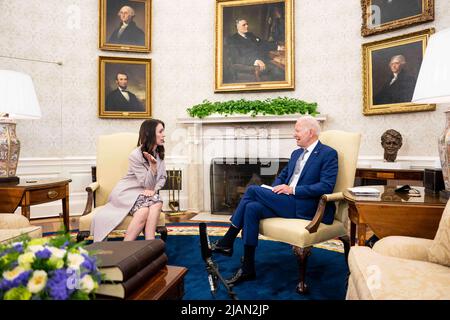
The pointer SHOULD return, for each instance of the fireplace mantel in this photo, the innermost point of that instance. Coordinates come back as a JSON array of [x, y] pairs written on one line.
[[218, 119]]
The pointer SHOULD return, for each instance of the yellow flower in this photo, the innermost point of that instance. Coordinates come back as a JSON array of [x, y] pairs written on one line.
[[25, 260], [55, 262], [37, 281], [37, 242], [11, 275]]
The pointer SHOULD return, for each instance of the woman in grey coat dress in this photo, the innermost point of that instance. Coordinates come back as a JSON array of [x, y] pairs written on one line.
[[137, 193]]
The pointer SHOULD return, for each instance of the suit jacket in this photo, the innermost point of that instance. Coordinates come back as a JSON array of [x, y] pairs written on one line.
[[318, 177], [246, 50], [124, 195], [401, 90], [131, 35], [115, 101]]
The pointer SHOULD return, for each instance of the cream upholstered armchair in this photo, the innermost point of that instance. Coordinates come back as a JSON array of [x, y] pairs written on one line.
[[13, 226], [403, 268], [303, 234], [112, 164]]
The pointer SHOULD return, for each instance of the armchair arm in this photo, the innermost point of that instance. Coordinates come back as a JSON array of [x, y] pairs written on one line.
[[315, 222], [90, 199]]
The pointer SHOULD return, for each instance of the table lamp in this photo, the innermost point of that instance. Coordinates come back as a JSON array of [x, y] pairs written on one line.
[[433, 86], [18, 101]]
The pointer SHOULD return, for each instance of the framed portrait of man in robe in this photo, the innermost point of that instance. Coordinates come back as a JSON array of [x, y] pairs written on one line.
[[254, 47], [125, 88], [385, 15], [125, 25], [390, 70]]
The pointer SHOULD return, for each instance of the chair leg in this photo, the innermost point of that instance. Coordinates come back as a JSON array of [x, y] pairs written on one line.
[[162, 230], [81, 235], [302, 257], [346, 242]]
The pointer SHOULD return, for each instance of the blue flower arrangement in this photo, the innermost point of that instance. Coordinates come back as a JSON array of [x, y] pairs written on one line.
[[54, 268]]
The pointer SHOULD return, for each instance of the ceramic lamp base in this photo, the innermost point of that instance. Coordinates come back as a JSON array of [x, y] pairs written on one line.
[[9, 148]]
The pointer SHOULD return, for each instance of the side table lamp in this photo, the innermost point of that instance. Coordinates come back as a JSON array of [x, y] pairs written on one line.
[[18, 101], [433, 86]]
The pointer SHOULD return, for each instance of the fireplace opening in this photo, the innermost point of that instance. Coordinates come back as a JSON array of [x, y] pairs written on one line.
[[229, 178]]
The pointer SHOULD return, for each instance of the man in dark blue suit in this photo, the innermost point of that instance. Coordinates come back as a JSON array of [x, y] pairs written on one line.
[[310, 173]]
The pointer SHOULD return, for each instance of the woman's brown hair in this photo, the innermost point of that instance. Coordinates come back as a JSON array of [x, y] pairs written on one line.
[[147, 137]]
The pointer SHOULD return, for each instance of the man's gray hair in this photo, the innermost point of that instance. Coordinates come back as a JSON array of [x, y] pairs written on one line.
[[130, 10], [309, 122], [239, 20], [400, 58]]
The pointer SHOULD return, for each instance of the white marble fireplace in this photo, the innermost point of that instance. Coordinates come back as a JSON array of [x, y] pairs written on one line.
[[231, 137]]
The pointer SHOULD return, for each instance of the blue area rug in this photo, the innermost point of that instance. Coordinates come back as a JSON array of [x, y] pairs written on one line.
[[276, 267]]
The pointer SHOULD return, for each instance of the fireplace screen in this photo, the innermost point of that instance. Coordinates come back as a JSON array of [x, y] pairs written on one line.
[[230, 177]]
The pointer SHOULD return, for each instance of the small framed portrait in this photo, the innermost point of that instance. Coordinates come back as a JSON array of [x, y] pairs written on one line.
[[254, 47], [125, 25], [124, 88], [390, 71], [385, 15]]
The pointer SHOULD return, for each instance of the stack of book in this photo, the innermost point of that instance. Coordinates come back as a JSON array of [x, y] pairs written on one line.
[[364, 191], [126, 265]]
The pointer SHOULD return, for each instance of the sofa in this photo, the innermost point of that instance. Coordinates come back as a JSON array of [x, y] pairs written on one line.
[[402, 268], [12, 226]]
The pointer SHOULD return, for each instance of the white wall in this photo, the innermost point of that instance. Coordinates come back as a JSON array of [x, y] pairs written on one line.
[[327, 67]]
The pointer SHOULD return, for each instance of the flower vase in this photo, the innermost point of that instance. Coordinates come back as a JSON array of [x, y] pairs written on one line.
[[444, 155]]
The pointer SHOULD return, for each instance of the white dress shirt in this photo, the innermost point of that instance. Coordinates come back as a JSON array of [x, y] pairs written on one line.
[[125, 94], [296, 177]]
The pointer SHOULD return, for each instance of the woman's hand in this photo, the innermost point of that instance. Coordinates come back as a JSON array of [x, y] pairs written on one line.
[[151, 159], [149, 193], [153, 163]]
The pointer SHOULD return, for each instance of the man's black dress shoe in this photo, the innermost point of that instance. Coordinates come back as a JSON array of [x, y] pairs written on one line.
[[227, 251], [240, 276]]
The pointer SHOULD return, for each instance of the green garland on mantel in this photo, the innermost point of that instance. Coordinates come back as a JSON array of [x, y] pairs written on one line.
[[277, 106]]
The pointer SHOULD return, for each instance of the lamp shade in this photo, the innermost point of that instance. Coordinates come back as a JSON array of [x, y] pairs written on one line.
[[433, 82], [18, 97]]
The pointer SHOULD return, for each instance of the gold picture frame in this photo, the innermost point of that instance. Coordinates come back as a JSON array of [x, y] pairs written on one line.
[[390, 70], [263, 57], [381, 16], [134, 35], [124, 88]]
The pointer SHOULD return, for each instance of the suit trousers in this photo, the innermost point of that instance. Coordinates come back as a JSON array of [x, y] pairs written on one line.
[[260, 203]]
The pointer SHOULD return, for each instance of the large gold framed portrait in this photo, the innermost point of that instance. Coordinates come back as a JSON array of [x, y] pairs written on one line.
[[390, 71], [254, 45], [125, 25], [124, 88], [381, 16]]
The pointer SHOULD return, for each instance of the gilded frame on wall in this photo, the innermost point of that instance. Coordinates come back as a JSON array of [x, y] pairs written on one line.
[[381, 16], [254, 45], [390, 70], [124, 88], [134, 35]]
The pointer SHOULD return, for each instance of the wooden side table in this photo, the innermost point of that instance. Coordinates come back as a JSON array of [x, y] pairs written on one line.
[[383, 175], [32, 192], [394, 214]]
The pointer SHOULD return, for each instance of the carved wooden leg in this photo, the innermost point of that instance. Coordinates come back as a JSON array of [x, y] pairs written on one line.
[[302, 257], [162, 230]]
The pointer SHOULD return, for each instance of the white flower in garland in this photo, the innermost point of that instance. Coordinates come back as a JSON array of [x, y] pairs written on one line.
[[37, 282], [14, 273], [56, 252], [74, 260]]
